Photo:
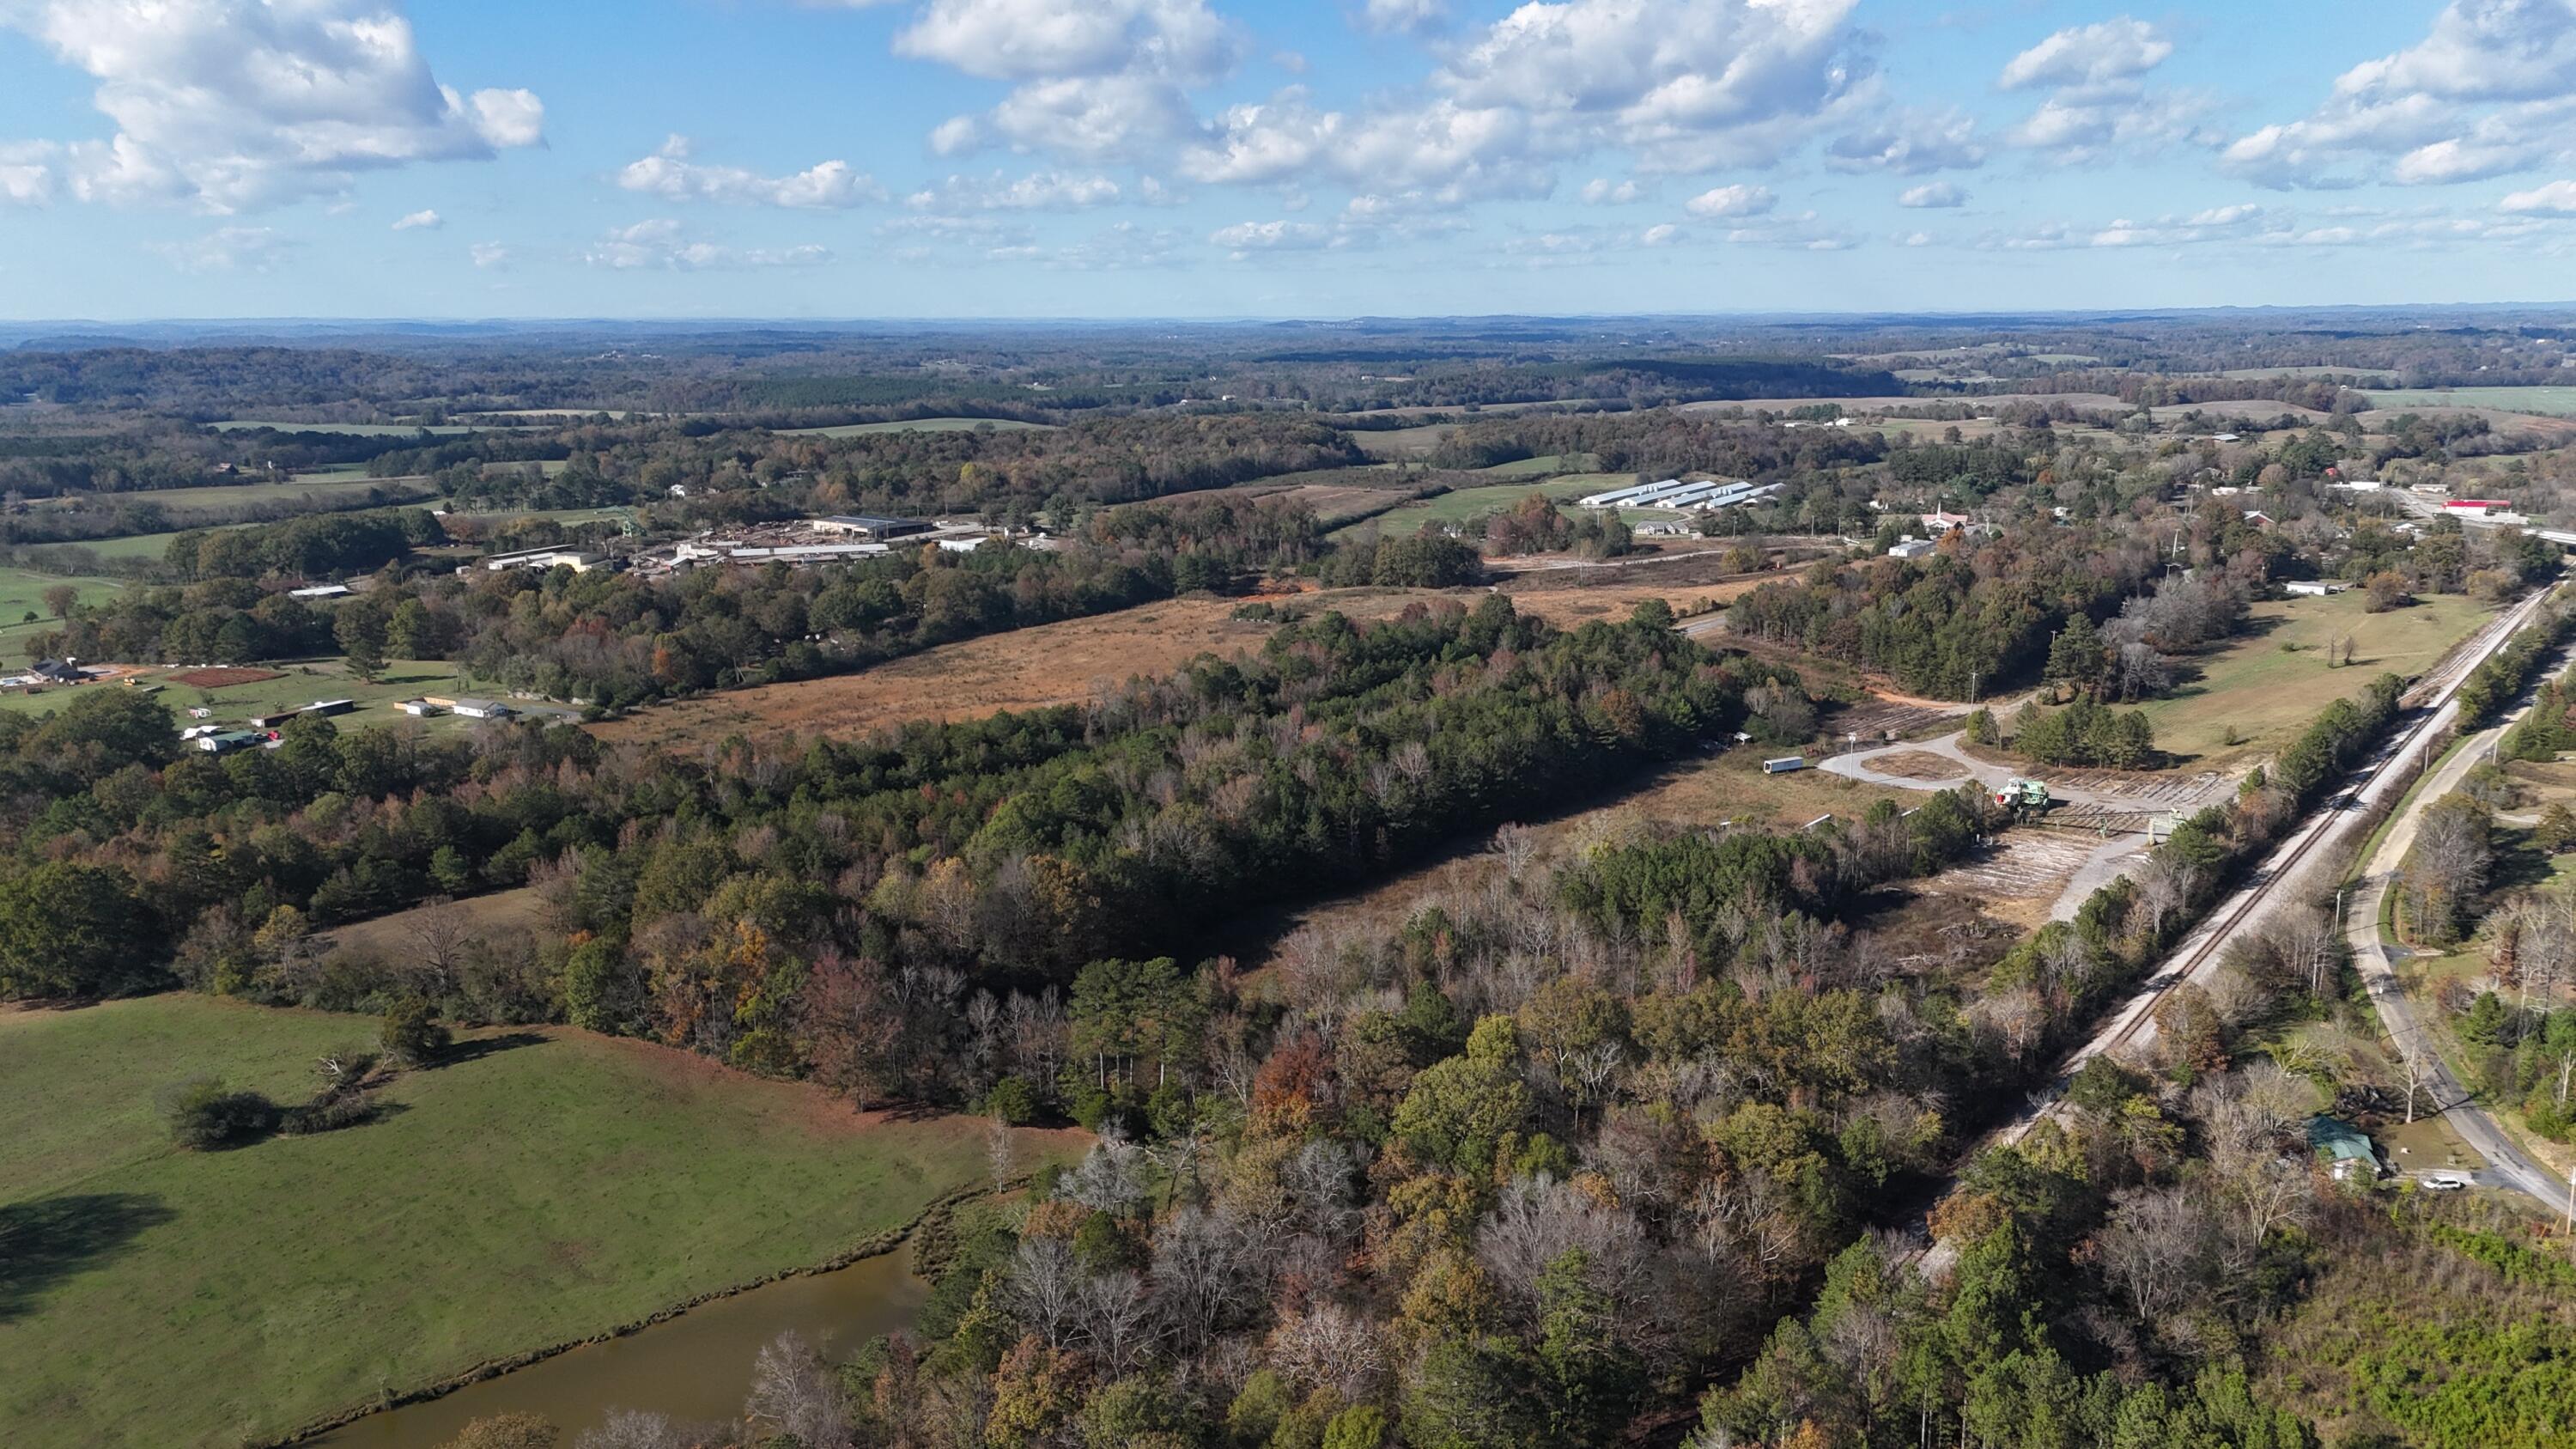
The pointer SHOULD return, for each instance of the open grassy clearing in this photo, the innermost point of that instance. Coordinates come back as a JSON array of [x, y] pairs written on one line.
[[301, 683], [22, 592], [321, 489], [2268, 682], [544, 1186], [2554, 430], [2548, 400], [1856, 406], [1392, 443], [397, 936], [513, 515], [153, 546], [2323, 370], [918, 425], [354, 430], [1460, 505], [1545, 465], [2258, 409]]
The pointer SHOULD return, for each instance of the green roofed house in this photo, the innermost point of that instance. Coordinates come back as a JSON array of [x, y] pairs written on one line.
[[2346, 1148]]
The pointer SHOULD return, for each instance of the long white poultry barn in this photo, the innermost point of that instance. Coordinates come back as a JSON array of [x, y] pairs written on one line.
[[1635, 494]]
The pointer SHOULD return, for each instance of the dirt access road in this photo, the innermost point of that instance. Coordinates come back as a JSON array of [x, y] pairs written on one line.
[[2116, 851]]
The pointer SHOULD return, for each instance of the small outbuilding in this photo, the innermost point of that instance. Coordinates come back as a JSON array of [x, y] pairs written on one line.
[[2345, 1148]]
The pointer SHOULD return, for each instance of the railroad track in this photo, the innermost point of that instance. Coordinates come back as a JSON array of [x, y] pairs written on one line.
[[2425, 700]]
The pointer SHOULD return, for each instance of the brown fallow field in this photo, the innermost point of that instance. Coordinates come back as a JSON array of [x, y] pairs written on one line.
[[1068, 662]]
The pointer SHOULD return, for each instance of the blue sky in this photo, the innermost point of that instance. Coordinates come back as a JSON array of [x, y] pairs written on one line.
[[1220, 158]]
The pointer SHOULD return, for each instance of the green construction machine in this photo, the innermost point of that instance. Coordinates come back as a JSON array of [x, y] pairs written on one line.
[[2021, 794]]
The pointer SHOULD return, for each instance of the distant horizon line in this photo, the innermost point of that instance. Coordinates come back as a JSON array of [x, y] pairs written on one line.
[[58, 324]]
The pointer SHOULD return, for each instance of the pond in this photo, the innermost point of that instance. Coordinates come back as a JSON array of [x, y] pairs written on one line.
[[695, 1368]]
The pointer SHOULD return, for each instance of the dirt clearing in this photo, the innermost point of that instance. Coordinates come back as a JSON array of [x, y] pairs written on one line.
[[2019, 878], [1920, 765], [223, 676]]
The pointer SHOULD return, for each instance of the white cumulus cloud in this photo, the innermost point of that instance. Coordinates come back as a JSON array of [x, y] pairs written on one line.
[[1932, 194], [669, 172], [2489, 90], [229, 105], [228, 249], [2088, 55], [663, 243], [2555, 198], [1727, 201], [423, 220], [1039, 191]]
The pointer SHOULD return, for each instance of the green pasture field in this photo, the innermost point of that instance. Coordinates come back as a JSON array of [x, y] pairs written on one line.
[[22, 591], [301, 682], [234, 495], [1462, 504], [2548, 401], [919, 425], [541, 1186], [2268, 693], [354, 430], [1393, 443], [152, 546], [1545, 465]]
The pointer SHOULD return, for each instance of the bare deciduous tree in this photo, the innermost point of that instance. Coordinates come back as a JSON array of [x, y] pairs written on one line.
[[1329, 1346], [1114, 1313], [636, 1429], [438, 931], [792, 1388], [1043, 1287], [2156, 1250]]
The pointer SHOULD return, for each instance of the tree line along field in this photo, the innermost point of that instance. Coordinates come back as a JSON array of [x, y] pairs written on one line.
[[158, 1296], [915, 425]]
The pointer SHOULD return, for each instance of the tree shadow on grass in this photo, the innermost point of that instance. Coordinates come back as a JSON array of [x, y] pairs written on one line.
[[50, 1239], [475, 1048]]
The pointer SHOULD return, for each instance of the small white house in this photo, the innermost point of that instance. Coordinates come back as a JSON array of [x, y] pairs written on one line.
[[420, 707], [480, 709], [2315, 588], [1912, 548], [319, 591]]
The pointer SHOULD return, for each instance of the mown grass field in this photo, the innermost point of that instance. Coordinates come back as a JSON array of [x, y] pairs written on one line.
[[545, 1186], [2546, 400], [22, 591], [153, 546], [2268, 682], [353, 430], [1462, 504], [326, 488], [1412, 442], [919, 425]]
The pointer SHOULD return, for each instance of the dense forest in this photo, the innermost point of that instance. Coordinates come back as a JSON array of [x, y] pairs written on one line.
[[1653, 1132]]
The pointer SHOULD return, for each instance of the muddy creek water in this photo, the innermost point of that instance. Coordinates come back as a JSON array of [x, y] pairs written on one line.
[[695, 1368]]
